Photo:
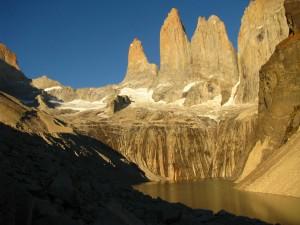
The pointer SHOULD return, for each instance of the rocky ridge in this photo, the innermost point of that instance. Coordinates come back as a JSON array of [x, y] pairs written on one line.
[[140, 73], [8, 56], [213, 57], [175, 50]]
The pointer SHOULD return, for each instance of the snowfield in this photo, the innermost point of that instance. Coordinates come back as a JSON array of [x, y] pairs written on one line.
[[81, 105], [52, 88], [189, 86], [139, 95]]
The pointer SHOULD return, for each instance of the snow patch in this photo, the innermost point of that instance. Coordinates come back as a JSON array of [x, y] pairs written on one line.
[[80, 105], [167, 84], [52, 88], [189, 86], [233, 92], [139, 95]]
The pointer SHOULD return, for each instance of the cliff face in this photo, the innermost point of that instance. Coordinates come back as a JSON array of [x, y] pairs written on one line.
[[8, 56], [140, 73], [175, 53], [279, 93], [213, 56], [263, 26], [293, 15], [276, 170], [207, 65], [172, 146], [12, 80]]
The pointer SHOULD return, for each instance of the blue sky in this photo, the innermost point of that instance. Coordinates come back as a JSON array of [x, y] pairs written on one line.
[[84, 43]]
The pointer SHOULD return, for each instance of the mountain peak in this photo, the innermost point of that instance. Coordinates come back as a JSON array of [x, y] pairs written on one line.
[[136, 55], [174, 44], [138, 63], [173, 19], [8, 56]]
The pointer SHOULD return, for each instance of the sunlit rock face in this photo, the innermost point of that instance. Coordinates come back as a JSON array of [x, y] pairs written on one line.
[[175, 59], [213, 56], [12, 80], [279, 93], [264, 25], [8, 56], [275, 169], [207, 65], [45, 82], [168, 145], [140, 73], [175, 53]]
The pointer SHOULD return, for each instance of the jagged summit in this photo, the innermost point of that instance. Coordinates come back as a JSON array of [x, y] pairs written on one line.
[[139, 70], [137, 59], [174, 17], [44, 82], [174, 45], [212, 52], [8, 56]]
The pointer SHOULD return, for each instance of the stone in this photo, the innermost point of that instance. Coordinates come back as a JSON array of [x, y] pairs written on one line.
[[213, 55], [277, 168], [8, 56], [279, 94], [44, 208], [175, 53], [44, 82], [139, 71], [57, 220], [292, 8], [264, 25], [117, 103], [62, 187]]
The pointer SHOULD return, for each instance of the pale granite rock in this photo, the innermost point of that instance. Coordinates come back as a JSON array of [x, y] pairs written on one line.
[[213, 55], [139, 71], [8, 56], [275, 169], [264, 25], [175, 53]]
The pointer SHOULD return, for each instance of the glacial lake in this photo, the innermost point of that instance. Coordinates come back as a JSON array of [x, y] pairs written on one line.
[[219, 194]]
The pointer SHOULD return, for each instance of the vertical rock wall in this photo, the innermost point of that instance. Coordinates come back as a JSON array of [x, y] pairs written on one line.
[[263, 26]]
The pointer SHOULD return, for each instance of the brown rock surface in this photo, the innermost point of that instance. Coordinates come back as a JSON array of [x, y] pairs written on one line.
[[12, 80], [175, 53], [213, 55], [292, 8], [8, 56], [264, 25], [279, 93], [44, 82], [17, 115], [275, 169], [139, 71], [176, 144]]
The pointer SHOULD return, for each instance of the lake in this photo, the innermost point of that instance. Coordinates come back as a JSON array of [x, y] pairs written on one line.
[[219, 194]]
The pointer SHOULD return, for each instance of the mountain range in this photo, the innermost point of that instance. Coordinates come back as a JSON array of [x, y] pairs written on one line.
[[207, 111]]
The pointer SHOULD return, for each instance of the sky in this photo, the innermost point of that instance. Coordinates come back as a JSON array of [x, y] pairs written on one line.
[[84, 43]]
